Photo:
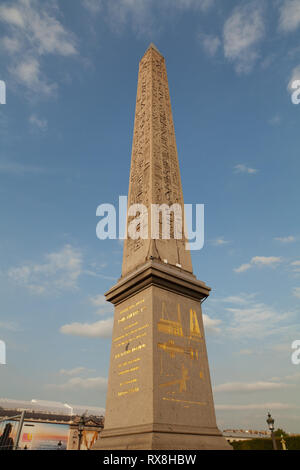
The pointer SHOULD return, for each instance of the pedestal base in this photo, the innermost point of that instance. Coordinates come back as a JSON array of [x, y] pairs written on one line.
[[156, 440]]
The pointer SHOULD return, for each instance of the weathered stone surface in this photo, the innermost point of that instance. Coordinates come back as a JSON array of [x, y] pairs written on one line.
[[159, 390], [154, 174]]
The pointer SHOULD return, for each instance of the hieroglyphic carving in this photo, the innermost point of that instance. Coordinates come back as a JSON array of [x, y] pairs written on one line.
[[154, 174]]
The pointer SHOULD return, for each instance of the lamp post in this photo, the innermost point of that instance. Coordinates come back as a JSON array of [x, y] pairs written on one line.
[[270, 422], [80, 431]]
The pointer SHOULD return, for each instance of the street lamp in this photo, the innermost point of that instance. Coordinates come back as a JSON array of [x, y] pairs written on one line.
[[270, 422], [80, 429]]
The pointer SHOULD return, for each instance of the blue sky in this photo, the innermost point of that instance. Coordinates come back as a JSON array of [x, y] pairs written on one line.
[[70, 69]]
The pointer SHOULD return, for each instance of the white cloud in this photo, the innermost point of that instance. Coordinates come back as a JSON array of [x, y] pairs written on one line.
[[243, 268], [15, 168], [255, 406], [10, 326], [38, 122], [275, 120], [28, 73], [100, 329], [102, 305], [242, 33], [146, 16], [246, 352], [244, 169], [198, 4], [257, 320], [289, 239], [12, 45], [266, 260], [210, 43], [296, 266], [220, 241], [71, 372], [33, 32], [241, 387], [244, 317], [242, 299], [60, 271], [94, 6], [289, 16], [296, 292], [92, 383], [11, 15], [211, 325], [260, 261]]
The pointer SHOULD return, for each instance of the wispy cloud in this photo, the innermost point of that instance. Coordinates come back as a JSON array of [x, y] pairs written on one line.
[[245, 317], [260, 261], [60, 271], [102, 305], [210, 43], [93, 6], [275, 120], [244, 321], [296, 266], [99, 329], [33, 32], [241, 299], [244, 169], [289, 239], [289, 19], [14, 168], [38, 122], [256, 406], [296, 292], [145, 17], [211, 325], [220, 241], [9, 326], [240, 387], [74, 371], [91, 383], [243, 31]]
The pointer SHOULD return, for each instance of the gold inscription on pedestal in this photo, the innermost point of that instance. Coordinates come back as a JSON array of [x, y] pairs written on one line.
[[128, 382], [195, 332], [128, 371], [132, 390], [172, 349], [128, 363], [185, 401], [138, 348], [132, 332], [170, 327], [131, 326], [181, 382]]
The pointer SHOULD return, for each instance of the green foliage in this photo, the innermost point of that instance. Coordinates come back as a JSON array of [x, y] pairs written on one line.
[[292, 443], [280, 432]]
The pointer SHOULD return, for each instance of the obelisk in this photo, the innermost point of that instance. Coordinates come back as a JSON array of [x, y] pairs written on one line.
[[159, 390]]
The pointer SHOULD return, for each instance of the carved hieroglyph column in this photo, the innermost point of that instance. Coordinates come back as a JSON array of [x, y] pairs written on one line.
[[159, 391], [154, 174]]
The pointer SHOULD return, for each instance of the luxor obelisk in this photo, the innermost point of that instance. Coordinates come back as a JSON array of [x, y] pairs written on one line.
[[159, 391]]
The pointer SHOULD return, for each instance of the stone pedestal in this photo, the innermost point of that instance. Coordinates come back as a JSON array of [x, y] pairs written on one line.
[[159, 390]]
